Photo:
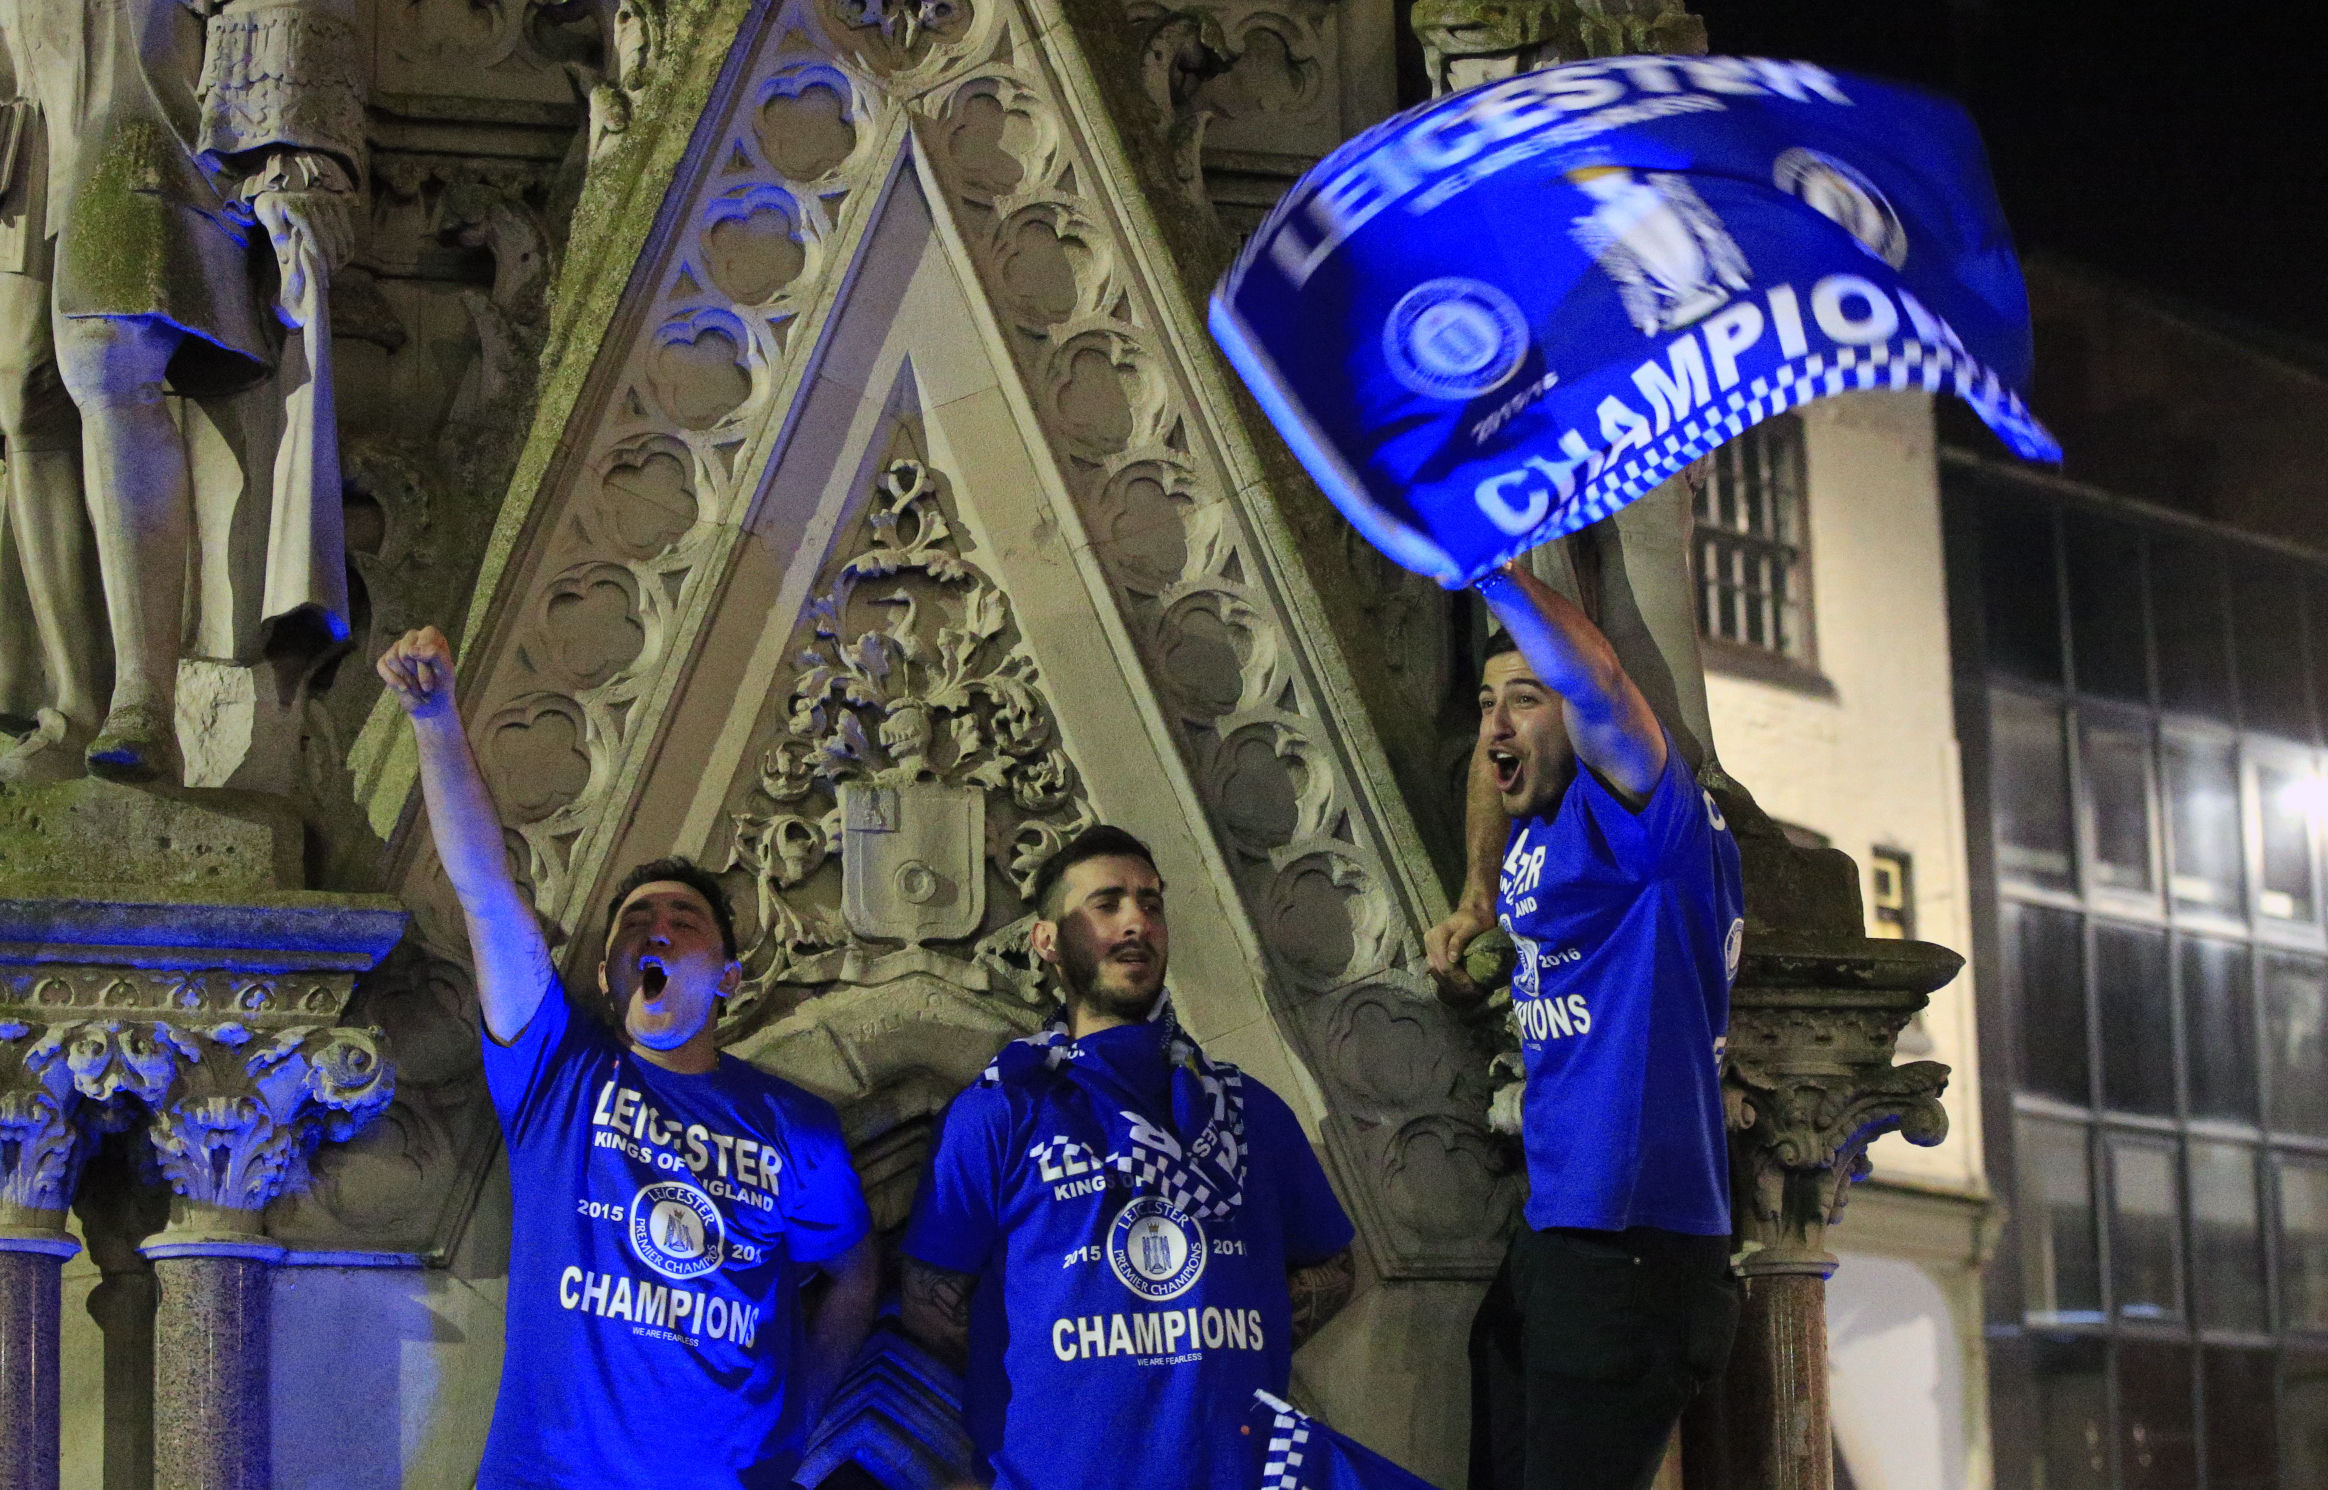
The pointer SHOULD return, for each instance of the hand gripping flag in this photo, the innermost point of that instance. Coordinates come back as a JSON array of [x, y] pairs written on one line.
[[1300, 1453], [1505, 314]]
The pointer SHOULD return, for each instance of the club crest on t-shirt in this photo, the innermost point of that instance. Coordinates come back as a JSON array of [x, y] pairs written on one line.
[[1156, 1249], [676, 1230]]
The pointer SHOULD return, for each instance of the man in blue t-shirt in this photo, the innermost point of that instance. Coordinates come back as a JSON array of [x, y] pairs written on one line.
[[670, 1202], [1119, 1238], [1619, 886]]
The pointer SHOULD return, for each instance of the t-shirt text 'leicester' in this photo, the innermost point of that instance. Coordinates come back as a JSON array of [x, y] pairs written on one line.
[[660, 1224], [1628, 926], [1117, 1339]]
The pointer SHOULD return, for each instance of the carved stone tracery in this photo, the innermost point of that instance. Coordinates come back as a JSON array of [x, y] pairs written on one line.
[[632, 536]]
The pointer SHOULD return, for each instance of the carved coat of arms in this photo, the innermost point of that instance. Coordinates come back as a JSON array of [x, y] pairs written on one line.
[[913, 860]]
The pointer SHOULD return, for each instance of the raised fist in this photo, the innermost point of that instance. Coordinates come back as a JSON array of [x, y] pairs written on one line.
[[418, 669]]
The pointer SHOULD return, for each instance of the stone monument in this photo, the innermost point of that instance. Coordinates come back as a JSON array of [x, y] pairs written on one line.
[[144, 144]]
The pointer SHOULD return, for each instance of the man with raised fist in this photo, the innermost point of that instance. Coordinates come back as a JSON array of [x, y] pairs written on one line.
[[670, 1201]]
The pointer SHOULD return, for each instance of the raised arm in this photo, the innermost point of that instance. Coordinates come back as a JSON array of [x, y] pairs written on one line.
[[1615, 732], [512, 958]]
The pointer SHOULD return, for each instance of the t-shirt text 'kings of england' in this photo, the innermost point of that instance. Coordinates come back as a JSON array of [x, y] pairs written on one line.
[[740, 1167]]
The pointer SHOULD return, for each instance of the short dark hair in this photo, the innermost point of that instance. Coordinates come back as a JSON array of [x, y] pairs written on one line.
[[1100, 841], [1498, 644], [679, 869]]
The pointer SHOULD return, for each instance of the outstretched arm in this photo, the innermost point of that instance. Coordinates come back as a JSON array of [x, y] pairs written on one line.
[[1319, 1292], [1615, 731], [838, 1326], [934, 1306], [513, 960]]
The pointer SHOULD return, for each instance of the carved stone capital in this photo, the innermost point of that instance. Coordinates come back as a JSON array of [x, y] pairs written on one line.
[[210, 1019], [241, 1115], [41, 1147], [1810, 1082]]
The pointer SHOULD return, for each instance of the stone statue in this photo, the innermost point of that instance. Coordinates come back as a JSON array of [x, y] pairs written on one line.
[[143, 144]]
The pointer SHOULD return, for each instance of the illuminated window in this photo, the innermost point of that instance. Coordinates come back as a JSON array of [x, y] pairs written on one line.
[[1752, 544], [1891, 909], [2151, 770]]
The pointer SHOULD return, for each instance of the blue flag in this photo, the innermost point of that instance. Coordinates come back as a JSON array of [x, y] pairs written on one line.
[[1505, 314], [1304, 1454]]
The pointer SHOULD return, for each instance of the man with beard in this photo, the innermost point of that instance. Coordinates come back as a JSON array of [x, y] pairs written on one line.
[[1120, 1238], [671, 1201], [1620, 890]]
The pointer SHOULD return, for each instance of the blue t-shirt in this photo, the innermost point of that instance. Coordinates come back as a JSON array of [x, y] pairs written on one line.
[[655, 1262], [1628, 927], [1077, 1377]]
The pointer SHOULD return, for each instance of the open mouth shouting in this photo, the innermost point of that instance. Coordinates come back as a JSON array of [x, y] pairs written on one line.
[[652, 978], [1506, 766]]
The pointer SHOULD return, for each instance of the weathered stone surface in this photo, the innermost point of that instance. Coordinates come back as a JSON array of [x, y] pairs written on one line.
[[152, 284], [73, 837], [300, 932]]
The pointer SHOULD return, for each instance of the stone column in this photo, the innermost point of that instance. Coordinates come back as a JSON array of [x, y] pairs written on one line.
[[232, 1133], [41, 1150], [1810, 1084], [196, 995], [30, 1260]]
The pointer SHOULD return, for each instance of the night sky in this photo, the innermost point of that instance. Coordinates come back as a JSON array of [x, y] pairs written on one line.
[[2183, 148]]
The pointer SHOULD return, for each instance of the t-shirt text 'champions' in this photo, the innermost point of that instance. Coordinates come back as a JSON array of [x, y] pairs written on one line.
[[661, 1224]]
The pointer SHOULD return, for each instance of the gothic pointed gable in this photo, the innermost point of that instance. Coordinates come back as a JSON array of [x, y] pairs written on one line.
[[902, 521]]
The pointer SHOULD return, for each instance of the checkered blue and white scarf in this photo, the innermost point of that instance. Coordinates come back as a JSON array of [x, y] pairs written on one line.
[[1199, 1167]]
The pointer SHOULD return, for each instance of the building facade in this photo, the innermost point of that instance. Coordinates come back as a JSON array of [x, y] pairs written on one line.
[[2139, 649], [695, 351]]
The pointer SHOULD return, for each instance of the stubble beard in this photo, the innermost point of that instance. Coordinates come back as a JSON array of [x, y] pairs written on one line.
[[1096, 987]]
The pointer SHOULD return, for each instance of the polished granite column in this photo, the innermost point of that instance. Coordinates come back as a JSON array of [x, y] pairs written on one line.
[[231, 1133], [31, 1259], [1814, 1018], [42, 1146], [210, 1352]]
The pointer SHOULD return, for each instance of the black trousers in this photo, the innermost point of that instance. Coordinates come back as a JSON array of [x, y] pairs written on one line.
[[1585, 1351]]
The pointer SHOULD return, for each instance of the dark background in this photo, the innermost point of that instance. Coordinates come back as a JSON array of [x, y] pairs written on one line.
[[2182, 148]]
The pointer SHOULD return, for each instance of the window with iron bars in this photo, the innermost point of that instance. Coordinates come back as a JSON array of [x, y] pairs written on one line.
[[1751, 546]]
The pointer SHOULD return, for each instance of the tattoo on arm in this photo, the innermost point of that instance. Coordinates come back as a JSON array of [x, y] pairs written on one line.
[[934, 1305], [1319, 1292]]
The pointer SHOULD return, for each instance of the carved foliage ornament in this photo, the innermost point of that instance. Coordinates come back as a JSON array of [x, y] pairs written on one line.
[[233, 1114], [241, 1116], [1808, 1090], [913, 702]]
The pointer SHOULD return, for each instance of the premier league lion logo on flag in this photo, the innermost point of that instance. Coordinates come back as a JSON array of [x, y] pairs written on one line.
[[1503, 315]]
